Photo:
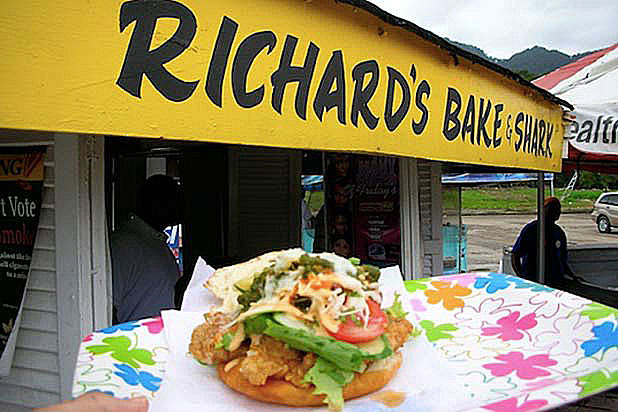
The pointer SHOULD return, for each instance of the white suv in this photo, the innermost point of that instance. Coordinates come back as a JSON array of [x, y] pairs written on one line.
[[605, 212]]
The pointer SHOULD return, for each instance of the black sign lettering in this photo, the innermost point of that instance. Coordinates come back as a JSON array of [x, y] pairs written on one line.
[[286, 73], [606, 124], [218, 61], [140, 60], [468, 123], [423, 89], [393, 120], [585, 132], [453, 98], [542, 131], [534, 148], [324, 98], [11, 166], [518, 131], [334, 88], [247, 51], [497, 124], [481, 130], [550, 131], [362, 95], [596, 131], [527, 133]]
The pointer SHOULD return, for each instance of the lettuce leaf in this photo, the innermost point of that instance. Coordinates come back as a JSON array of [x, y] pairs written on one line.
[[344, 355], [396, 310], [224, 342], [329, 380]]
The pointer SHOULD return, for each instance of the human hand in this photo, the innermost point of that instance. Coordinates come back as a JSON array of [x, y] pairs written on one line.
[[99, 402]]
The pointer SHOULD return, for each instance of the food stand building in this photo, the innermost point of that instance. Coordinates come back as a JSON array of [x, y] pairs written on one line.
[[237, 91]]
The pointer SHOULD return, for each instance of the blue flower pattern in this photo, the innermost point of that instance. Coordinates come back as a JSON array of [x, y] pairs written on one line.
[[105, 392], [523, 284], [127, 326], [494, 283], [606, 337], [133, 377]]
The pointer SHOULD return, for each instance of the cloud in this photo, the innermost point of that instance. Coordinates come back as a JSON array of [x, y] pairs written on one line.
[[502, 28]]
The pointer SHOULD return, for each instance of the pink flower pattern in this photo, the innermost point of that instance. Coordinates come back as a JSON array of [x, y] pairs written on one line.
[[155, 325], [464, 279], [417, 305], [543, 383], [510, 405], [513, 361], [510, 326], [525, 368]]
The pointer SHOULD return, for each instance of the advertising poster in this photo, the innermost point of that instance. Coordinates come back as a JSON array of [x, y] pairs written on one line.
[[339, 203], [21, 184], [362, 208], [376, 227]]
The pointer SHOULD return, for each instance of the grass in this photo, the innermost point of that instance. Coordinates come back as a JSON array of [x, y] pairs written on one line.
[[523, 199], [499, 200]]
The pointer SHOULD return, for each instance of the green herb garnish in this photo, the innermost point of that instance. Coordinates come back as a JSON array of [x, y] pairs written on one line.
[[313, 264], [256, 291], [225, 341], [354, 260], [396, 310]]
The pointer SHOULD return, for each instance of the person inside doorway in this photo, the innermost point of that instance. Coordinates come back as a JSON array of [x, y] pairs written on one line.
[[341, 247], [144, 269], [524, 253]]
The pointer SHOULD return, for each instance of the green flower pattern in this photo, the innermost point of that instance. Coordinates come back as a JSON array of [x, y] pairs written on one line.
[[598, 311], [419, 284], [102, 355], [119, 348], [597, 381], [437, 332]]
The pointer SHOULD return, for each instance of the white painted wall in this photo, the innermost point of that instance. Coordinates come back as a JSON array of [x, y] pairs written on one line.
[[68, 289], [421, 218]]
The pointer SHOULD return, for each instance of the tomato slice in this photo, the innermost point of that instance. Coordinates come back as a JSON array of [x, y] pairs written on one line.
[[351, 332]]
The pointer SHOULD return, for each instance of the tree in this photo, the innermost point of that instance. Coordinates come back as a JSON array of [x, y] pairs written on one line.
[[527, 75]]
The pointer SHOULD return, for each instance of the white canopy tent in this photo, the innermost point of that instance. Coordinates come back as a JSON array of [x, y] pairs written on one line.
[[591, 85]]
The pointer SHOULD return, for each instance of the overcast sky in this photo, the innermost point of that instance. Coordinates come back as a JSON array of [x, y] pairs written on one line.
[[502, 28]]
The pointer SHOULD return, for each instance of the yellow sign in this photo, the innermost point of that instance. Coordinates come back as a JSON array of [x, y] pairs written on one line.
[[285, 73], [22, 166]]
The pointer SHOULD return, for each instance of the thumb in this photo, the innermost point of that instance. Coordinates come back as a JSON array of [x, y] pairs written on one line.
[[137, 404]]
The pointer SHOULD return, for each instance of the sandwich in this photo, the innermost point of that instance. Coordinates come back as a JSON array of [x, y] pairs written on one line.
[[301, 329]]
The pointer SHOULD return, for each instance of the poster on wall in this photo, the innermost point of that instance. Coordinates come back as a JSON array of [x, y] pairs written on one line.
[[339, 204], [362, 208], [21, 186], [376, 227]]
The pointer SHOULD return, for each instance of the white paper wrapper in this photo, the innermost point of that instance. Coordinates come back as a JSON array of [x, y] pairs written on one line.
[[425, 380], [197, 298]]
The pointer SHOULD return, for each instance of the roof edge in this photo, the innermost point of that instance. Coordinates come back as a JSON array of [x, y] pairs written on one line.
[[451, 48]]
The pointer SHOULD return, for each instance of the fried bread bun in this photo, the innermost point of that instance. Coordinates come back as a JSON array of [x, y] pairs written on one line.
[[283, 392]]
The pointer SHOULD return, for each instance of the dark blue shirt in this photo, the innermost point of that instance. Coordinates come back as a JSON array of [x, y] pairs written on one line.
[[555, 251]]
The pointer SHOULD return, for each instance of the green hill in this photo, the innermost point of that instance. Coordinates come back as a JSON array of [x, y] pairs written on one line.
[[530, 63]]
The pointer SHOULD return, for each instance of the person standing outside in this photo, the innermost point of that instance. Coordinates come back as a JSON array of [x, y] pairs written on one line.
[[144, 269], [524, 253]]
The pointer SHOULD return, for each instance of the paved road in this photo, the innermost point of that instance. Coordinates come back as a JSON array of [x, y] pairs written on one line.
[[487, 234]]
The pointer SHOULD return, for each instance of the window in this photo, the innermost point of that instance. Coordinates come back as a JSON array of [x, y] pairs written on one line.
[[611, 200]]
